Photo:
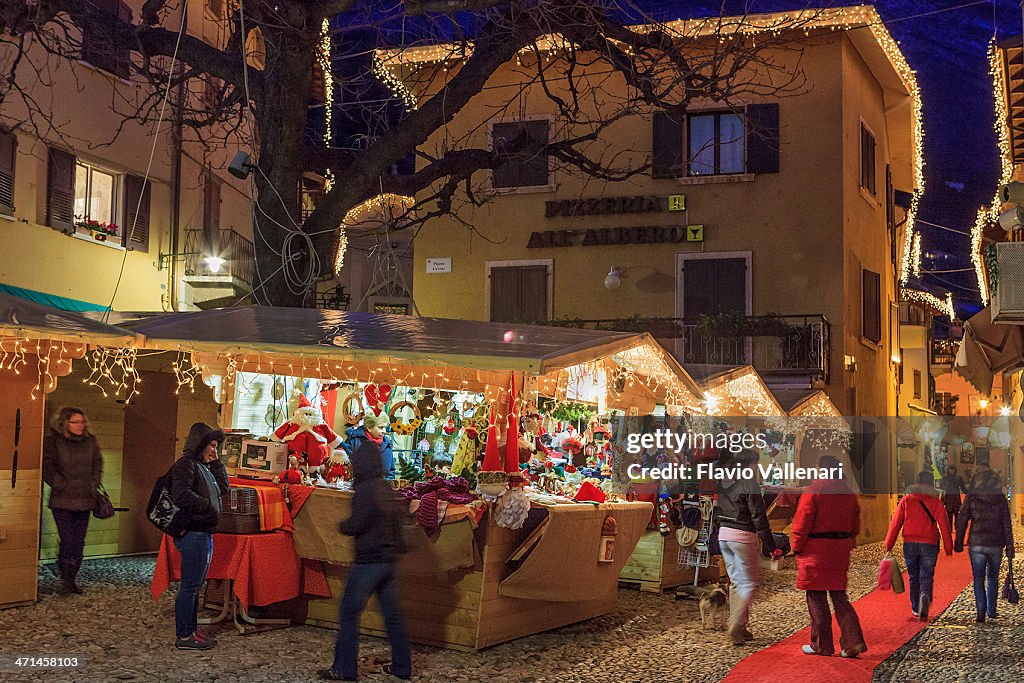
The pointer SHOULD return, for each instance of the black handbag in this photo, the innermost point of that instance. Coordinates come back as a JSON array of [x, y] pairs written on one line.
[[162, 512], [1010, 593], [103, 509]]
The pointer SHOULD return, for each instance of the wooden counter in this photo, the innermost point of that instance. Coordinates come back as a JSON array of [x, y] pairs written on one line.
[[491, 600]]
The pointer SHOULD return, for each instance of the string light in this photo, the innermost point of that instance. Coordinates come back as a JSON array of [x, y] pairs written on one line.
[[386, 202], [113, 369], [186, 370], [944, 307], [324, 58], [989, 214]]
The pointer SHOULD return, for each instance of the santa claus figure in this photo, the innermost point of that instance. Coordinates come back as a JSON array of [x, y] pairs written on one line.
[[307, 433]]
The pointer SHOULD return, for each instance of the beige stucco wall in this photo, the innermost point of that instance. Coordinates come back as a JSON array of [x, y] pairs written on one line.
[[79, 106]]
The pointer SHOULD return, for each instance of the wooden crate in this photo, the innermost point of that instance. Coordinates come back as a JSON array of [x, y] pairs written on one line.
[[653, 567]]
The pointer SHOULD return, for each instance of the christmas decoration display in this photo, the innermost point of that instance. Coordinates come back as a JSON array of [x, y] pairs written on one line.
[[306, 433], [292, 475], [377, 396], [492, 479], [407, 471], [468, 449], [336, 468], [405, 428]]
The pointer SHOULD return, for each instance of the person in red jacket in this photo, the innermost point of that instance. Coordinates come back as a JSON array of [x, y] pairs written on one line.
[[922, 517], [824, 533]]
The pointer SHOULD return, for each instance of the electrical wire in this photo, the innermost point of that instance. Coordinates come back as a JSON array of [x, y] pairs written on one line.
[[149, 164], [943, 227]]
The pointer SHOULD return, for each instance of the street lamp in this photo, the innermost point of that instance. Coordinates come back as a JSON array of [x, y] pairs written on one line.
[[214, 263]]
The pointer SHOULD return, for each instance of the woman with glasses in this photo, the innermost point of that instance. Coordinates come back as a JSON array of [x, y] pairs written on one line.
[[72, 466]]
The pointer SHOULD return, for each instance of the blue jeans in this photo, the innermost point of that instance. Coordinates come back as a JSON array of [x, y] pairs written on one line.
[[363, 581], [744, 578], [985, 561], [920, 559], [196, 550]]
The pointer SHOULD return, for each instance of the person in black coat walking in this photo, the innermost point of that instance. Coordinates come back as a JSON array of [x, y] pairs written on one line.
[[73, 467], [377, 528], [952, 486], [198, 479], [986, 512]]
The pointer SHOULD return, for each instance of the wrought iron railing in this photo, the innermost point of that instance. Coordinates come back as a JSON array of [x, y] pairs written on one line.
[[773, 344], [944, 351], [238, 252]]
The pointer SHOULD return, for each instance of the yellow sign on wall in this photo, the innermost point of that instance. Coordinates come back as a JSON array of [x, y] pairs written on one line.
[[694, 233], [677, 202]]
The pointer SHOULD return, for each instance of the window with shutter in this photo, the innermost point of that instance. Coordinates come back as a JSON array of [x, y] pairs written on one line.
[[716, 143], [211, 211], [521, 167], [60, 191], [762, 123], [872, 306], [666, 146], [8, 160], [917, 384], [136, 213], [98, 51], [519, 294], [867, 159]]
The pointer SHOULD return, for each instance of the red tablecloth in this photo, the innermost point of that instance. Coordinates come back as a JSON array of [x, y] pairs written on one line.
[[264, 567], [274, 514]]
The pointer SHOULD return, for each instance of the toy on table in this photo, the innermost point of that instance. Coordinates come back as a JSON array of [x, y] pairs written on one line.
[[307, 433], [292, 475], [336, 468]]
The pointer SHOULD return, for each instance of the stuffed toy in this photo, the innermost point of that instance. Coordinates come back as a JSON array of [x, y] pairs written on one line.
[[307, 433], [372, 429], [293, 475], [336, 467], [530, 444]]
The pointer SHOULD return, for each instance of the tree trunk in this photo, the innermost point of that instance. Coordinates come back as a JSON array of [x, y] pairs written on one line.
[[280, 132]]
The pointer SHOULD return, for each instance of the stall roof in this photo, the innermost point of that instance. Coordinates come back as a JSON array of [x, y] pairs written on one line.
[[27, 318], [741, 385], [374, 336]]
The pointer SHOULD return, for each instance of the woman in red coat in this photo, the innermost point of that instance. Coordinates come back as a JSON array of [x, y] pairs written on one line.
[[824, 533]]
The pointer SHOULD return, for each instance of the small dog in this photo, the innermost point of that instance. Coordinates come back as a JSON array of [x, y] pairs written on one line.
[[714, 602]]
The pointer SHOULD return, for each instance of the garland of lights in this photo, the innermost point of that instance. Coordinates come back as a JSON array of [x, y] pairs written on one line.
[[113, 368], [186, 371], [356, 213], [945, 307], [989, 214]]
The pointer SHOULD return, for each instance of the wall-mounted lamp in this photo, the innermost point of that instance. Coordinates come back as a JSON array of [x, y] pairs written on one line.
[[613, 279], [241, 166], [214, 263], [850, 363], [895, 358]]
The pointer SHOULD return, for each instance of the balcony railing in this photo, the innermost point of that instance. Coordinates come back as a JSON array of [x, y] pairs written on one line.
[[238, 252], [944, 403], [944, 351], [774, 345]]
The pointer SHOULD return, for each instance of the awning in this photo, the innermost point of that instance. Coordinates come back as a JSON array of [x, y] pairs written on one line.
[[373, 337], [23, 318], [987, 349], [62, 303]]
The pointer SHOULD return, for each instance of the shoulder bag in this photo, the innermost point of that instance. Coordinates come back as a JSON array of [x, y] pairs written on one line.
[[103, 509]]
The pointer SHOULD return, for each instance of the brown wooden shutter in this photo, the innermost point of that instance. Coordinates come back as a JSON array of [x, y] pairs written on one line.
[[98, 51], [666, 146], [519, 294], [504, 294], [60, 191], [872, 306], [8, 160], [135, 230], [762, 121]]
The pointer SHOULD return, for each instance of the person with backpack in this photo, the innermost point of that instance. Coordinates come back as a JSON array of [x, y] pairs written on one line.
[[986, 512], [198, 479], [376, 525], [73, 467], [922, 518]]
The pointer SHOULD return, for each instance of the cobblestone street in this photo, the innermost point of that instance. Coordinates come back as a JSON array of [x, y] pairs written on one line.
[[123, 636]]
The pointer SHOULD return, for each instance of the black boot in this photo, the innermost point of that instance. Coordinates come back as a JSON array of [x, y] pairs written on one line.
[[68, 572]]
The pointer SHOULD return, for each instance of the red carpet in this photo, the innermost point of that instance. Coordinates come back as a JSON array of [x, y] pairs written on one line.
[[887, 623]]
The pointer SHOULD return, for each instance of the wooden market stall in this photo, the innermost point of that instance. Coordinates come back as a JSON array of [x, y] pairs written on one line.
[[37, 347], [732, 393], [476, 583]]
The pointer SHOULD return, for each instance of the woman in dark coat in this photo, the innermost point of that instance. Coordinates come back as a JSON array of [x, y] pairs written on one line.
[[986, 512], [198, 479], [825, 530], [952, 486], [73, 467]]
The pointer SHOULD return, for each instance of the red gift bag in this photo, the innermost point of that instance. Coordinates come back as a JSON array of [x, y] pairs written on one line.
[[885, 573]]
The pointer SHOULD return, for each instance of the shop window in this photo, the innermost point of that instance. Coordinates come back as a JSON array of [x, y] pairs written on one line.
[[519, 294], [867, 159], [716, 143], [97, 49], [871, 306], [8, 157], [521, 167]]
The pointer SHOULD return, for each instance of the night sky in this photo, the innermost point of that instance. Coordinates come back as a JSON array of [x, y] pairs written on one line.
[[948, 51]]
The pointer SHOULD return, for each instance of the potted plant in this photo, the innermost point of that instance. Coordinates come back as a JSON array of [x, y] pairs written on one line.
[[99, 230]]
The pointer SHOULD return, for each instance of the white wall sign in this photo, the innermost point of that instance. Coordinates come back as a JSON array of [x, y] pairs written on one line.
[[439, 265]]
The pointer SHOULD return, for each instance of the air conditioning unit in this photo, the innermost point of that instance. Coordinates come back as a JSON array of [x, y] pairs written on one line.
[[1008, 288]]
